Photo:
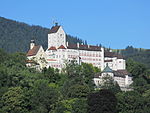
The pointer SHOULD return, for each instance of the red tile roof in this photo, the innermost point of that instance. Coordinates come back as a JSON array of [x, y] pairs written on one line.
[[52, 48], [112, 54], [84, 47], [121, 73], [61, 47], [33, 51], [54, 29]]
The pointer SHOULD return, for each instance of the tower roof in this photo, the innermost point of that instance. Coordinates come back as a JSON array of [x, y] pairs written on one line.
[[54, 29], [52, 48], [107, 69], [61, 47]]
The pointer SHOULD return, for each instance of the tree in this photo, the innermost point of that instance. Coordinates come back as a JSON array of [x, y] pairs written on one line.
[[43, 97], [103, 101], [73, 105], [51, 74], [109, 83], [146, 96], [140, 85], [87, 72], [14, 101], [135, 68], [130, 102], [78, 91]]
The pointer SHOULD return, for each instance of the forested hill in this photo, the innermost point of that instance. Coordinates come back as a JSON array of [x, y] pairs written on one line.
[[15, 36], [137, 54]]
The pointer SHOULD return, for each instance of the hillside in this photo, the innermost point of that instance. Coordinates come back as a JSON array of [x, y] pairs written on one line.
[[15, 36]]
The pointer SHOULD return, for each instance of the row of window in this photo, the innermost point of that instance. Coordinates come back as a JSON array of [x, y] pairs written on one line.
[[72, 56], [91, 55], [57, 56], [91, 59], [56, 66]]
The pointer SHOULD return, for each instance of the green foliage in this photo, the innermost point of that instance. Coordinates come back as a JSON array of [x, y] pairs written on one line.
[[24, 90], [73, 105], [103, 101], [135, 68], [43, 97], [80, 80], [14, 101], [78, 91], [109, 83], [132, 102], [140, 85], [51, 74]]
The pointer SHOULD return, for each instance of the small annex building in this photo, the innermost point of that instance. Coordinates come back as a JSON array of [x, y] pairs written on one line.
[[122, 77], [36, 56]]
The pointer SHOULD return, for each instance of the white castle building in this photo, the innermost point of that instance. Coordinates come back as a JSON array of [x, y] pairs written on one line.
[[59, 52], [115, 67]]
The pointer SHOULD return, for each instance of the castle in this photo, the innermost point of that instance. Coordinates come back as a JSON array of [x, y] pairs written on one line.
[[59, 52]]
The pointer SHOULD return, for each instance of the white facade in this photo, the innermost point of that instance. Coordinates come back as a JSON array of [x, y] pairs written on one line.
[[57, 56], [114, 61], [57, 37]]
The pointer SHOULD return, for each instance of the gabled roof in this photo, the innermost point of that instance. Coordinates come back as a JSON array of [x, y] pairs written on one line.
[[61, 47], [108, 54], [121, 73], [107, 69], [52, 48], [54, 29], [33, 51], [84, 47]]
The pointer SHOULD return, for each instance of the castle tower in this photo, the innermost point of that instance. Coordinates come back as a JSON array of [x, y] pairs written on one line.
[[32, 44], [56, 36]]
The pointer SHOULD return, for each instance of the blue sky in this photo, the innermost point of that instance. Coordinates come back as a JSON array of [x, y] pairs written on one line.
[[113, 23]]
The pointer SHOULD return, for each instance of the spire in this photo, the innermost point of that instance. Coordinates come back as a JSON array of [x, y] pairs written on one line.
[[56, 23], [107, 69], [32, 44]]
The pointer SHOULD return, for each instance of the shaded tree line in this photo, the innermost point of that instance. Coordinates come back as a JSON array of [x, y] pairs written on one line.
[[137, 54]]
